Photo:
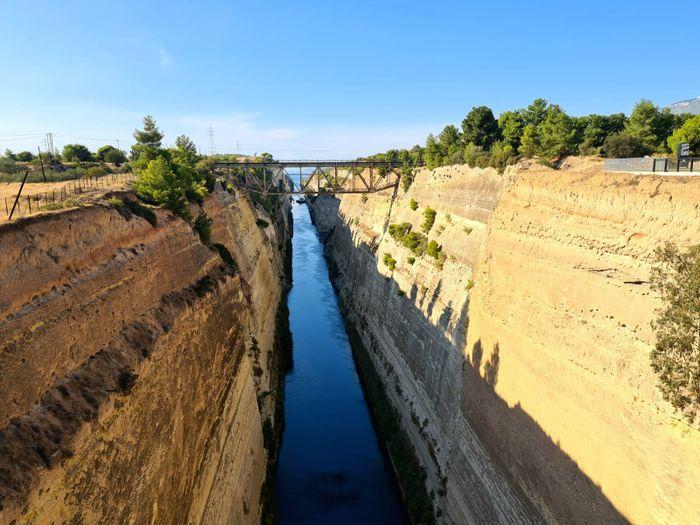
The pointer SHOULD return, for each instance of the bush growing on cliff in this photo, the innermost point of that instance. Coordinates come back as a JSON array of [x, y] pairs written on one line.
[[429, 215], [676, 355], [202, 225], [399, 231], [389, 262], [413, 204], [414, 241], [433, 249]]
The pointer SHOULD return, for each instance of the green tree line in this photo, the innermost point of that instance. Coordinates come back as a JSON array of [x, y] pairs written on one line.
[[546, 131]]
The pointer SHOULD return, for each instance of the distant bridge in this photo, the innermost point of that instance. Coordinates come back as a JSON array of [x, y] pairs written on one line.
[[313, 176]]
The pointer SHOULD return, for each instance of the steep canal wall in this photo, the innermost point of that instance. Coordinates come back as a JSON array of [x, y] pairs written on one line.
[[518, 358], [140, 378]]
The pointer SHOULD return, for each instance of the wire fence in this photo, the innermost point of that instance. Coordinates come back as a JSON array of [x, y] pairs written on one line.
[[58, 195]]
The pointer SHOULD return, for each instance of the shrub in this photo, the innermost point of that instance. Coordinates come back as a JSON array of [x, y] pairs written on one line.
[[411, 260], [407, 176], [115, 202], [400, 292], [262, 223], [159, 184], [623, 145], [467, 230], [142, 211], [95, 171], [389, 261], [202, 225], [111, 154], [433, 249], [416, 242], [676, 355], [470, 284], [429, 215], [364, 197], [76, 153], [413, 204], [225, 255], [399, 231]]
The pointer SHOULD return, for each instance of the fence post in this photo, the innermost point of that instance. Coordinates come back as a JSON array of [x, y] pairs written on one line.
[[29, 202]]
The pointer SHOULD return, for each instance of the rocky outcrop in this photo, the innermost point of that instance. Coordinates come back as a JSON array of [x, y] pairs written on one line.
[[138, 365], [519, 362]]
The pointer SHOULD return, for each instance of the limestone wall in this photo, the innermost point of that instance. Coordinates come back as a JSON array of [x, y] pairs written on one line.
[[521, 366]]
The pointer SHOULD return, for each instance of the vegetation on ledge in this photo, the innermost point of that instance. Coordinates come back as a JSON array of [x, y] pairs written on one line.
[[676, 355]]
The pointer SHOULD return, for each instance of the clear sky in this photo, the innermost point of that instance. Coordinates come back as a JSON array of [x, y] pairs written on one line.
[[326, 78]]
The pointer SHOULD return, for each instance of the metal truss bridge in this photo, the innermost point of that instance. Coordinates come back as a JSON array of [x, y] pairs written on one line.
[[296, 177]]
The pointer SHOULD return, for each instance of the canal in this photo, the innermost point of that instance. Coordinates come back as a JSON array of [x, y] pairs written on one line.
[[332, 468]]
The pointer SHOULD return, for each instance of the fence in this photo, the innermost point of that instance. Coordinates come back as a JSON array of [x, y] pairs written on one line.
[[654, 165], [58, 194]]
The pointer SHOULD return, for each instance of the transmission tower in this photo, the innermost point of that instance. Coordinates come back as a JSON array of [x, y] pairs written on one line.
[[49, 143], [212, 149]]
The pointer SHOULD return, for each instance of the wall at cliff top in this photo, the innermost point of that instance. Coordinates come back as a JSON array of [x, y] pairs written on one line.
[[521, 367], [137, 367]]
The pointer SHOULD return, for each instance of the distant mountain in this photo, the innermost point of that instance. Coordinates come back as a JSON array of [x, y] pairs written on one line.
[[686, 106]]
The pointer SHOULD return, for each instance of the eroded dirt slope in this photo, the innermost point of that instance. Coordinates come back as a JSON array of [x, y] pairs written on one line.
[[137, 365]]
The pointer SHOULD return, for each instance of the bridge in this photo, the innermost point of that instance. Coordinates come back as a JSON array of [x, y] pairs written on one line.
[[294, 177]]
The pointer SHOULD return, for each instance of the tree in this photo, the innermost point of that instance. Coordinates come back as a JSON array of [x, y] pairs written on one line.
[[651, 125], [596, 128], [480, 127], [433, 153], [676, 354], [557, 134], [25, 156], [690, 133], [511, 125], [530, 142], [111, 154], [536, 112], [159, 184], [9, 155], [76, 153], [475, 156], [623, 145], [186, 149], [502, 154], [148, 141], [450, 145]]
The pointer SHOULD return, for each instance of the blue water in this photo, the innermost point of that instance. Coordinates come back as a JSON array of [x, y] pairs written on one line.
[[331, 468]]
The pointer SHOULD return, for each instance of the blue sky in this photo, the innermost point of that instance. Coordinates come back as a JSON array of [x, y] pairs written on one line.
[[326, 78]]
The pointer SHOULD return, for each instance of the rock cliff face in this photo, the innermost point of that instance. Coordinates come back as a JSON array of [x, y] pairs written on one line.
[[520, 364], [138, 367]]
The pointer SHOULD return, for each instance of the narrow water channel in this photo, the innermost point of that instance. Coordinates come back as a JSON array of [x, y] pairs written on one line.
[[332, 468]]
